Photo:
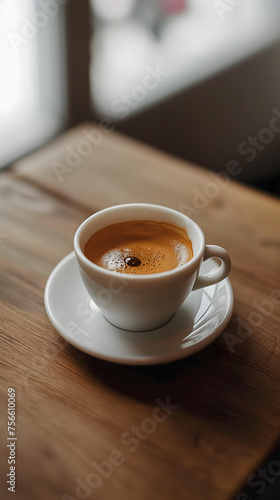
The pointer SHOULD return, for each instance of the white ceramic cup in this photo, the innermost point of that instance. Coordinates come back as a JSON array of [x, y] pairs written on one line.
[[144, 302]]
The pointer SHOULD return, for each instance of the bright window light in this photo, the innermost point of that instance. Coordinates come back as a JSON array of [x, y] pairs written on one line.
[[189, 40], [32, 105], [18, 80], [113, 10]]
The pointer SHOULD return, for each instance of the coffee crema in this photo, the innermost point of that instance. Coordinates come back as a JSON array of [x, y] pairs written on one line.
[[139, 247]]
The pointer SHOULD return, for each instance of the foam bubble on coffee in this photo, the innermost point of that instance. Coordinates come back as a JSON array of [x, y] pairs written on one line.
[[139, 247]]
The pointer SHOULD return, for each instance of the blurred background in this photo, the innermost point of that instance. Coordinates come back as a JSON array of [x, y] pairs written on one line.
[[197, 78]]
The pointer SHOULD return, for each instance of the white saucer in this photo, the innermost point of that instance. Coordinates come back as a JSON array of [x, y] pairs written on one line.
[[198, 322]]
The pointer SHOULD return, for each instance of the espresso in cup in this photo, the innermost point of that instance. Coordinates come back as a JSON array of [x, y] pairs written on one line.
[[139, 247], [148, 299]]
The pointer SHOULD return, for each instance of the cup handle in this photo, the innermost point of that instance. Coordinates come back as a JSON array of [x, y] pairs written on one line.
[[218, 274]]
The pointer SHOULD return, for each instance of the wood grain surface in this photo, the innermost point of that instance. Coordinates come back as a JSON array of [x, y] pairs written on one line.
[[74, 411]]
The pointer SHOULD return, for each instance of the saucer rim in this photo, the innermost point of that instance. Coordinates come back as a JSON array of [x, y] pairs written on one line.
[[145, 360]]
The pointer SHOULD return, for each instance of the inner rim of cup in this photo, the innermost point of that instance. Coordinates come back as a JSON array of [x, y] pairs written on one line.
[[138, 211]]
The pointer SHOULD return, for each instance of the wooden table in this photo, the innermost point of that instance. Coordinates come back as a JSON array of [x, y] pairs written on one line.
[[73, 409]]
